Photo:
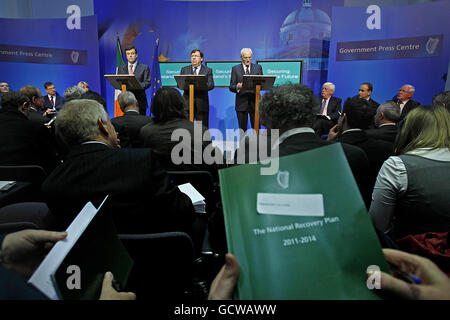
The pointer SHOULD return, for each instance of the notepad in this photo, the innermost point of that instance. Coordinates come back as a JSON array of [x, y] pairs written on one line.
[[197, 199]]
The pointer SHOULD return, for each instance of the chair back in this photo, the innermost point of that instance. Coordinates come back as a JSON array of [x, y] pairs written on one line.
[[27, 173], [163, 264]]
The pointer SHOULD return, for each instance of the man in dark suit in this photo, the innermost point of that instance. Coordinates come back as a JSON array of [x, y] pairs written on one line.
[[350, 129], [404, 100], [365, 92], [329, 112], [53, 102], [386, 118], [36, 104], [142, 74], [245, 99], [129, 125], [23, 142], [201, 98], [292, 109], [141, 197]]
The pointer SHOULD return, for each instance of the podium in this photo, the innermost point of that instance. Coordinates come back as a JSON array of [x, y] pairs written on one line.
[[257, 83], [191, 82], [123, 82]]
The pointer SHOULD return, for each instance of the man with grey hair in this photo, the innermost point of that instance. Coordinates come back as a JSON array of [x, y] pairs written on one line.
[[130, 123], [84, 85], [385, 120], [403, 99], [73, 92], [245, 99], [329, 111], [442, 99], [141, 197], [292, 109]]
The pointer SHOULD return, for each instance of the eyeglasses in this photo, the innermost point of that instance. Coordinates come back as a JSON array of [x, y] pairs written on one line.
[[247, 58]]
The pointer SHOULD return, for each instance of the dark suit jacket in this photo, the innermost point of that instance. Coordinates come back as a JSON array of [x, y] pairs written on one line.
[[334, 108], [201, 100], [377, 151], [157, 136], [36, 116], [387, 133], [59, 102], [25, 142], [142, 74], [141, 197], [410, 105], [128, 126], [245, 99]]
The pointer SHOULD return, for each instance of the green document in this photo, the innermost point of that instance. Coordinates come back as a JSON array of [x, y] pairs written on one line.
[[303, 233]]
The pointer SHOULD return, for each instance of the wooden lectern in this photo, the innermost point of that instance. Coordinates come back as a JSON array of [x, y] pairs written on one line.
[[257, 83], [123, 82], [191, 82]]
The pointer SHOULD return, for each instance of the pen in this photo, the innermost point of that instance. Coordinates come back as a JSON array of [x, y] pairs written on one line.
[[408, 277]]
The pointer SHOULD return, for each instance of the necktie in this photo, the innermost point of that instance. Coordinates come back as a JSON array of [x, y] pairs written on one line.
[[324, 103], [52, 101], [247, 71], [131, 69], [195, 70]]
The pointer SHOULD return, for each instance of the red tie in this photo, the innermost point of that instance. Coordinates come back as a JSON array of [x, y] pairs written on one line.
[[52, 101], [131, 69]]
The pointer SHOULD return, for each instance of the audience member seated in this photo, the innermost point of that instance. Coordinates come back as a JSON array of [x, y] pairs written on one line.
[[442, 99], [435, 284], [141, 197], [73, 92], [4, 87], [23, 142], [356, 117], [21, 254], [365, 92], [192, 142], [403, 99], [291, 109], [52, 101], [83, 85], [329, 112], [92, 95], [36, 104], [386, 118], [411, 191], [129, 125]]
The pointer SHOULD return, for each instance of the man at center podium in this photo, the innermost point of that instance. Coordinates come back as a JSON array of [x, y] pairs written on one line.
[[201, 98], [142, 73], [245, 99]]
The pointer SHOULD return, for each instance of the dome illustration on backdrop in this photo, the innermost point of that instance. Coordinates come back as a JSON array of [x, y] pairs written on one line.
[[303, 25]]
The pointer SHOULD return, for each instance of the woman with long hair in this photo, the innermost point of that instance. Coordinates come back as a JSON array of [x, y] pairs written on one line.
[[412, 191]]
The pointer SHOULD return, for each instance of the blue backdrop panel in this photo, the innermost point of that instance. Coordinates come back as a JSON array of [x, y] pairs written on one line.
[[34, 51], [411, 47]]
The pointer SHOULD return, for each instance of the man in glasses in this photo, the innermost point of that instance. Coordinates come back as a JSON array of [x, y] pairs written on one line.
[[245, 99]]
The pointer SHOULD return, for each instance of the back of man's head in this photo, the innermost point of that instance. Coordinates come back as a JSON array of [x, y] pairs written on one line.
[[73, 92], [92, 95], [77, 122], [357, 113], [127, 101], [390, 110], [288, 106], [30, 92], [442, 99], [14, 101]]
